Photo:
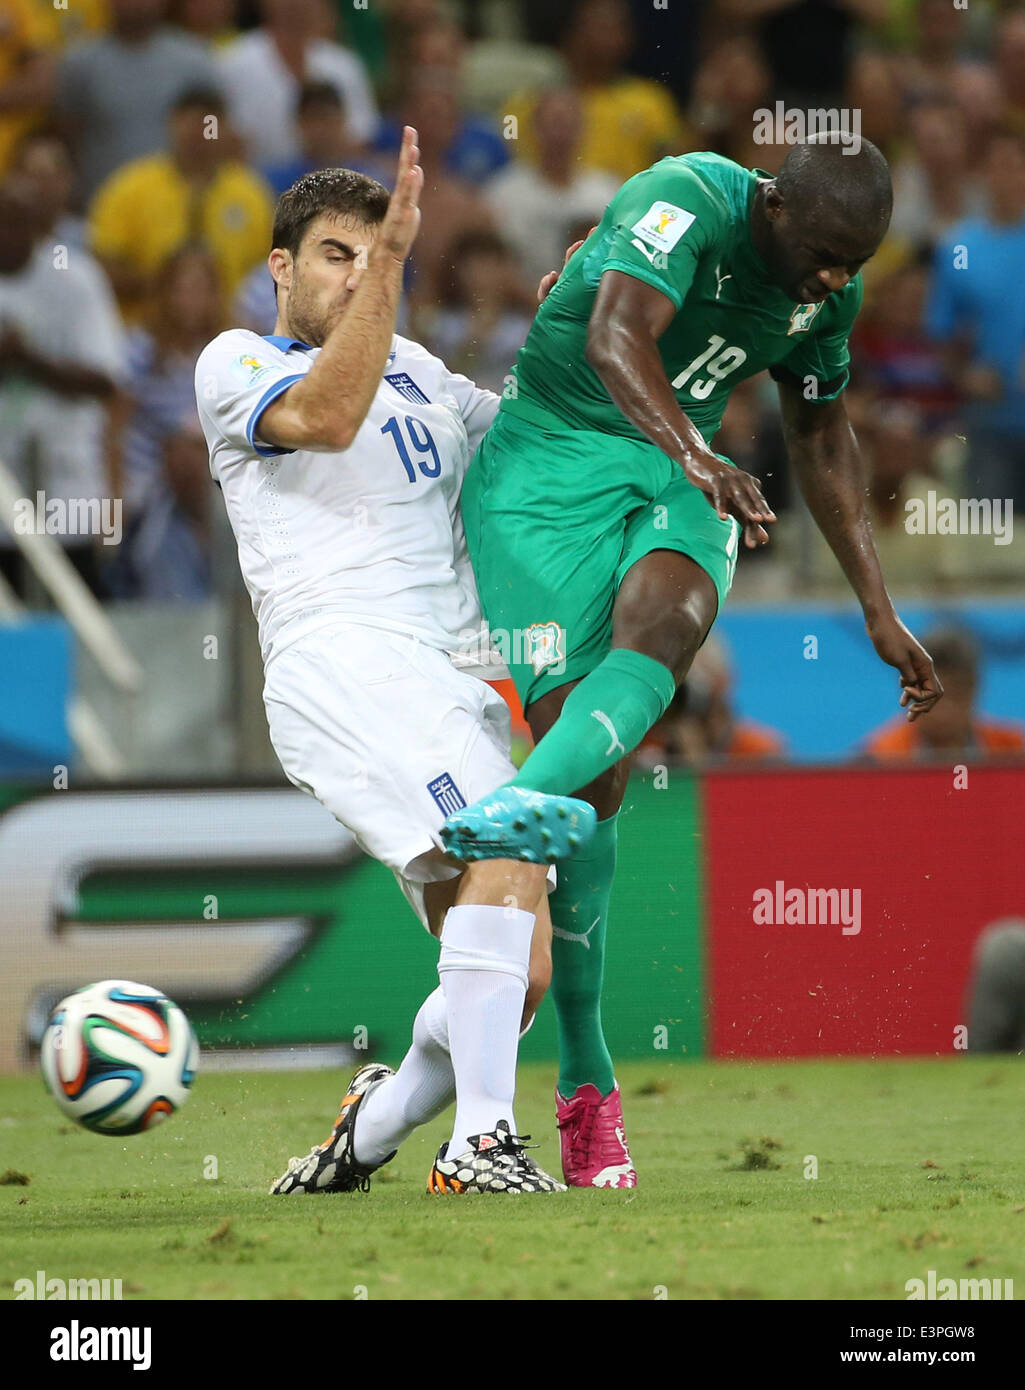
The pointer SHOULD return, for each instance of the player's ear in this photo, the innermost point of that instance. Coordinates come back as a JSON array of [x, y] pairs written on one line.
[[773, 202], [279, 263]]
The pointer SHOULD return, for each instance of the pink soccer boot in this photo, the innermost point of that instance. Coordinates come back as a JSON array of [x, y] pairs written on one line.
[[594, 1149]]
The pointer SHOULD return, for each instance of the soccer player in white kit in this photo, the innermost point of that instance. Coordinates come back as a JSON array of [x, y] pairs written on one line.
[[340, 449]]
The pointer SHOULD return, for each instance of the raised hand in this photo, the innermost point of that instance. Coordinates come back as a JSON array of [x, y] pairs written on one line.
[[402, 220]]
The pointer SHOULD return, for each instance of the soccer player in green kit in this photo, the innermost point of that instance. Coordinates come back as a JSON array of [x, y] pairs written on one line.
[[603, 530]]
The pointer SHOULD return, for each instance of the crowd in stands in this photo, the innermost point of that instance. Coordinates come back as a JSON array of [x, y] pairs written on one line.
[[143, 144]]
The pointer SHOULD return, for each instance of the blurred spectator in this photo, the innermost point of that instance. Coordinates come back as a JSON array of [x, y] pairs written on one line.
[[255, 304], [506, 60], [936, 60], [470, 147], [115, 92], [1009, 63], [976, 91], [485, 317], [875, 91], [62, 357], [701, 724], [450, 207], [978, 309], [196, 192], [211, 21], [996, 1011], [668, 46], [26, 72], [629, 122], [43, 160], [32, 32], [164, 460], [324, 141], [933, 184], [809, 44], [730, 85], [264, 69], [903, 398], [537, 206], [953, 728]]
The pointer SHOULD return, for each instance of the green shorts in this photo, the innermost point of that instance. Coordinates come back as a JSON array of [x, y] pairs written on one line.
[[554, 519]]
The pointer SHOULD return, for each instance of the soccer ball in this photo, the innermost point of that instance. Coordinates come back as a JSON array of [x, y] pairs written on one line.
[[118, 1057]]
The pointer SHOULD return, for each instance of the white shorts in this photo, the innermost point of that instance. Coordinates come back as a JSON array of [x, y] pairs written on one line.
[[390, 737]]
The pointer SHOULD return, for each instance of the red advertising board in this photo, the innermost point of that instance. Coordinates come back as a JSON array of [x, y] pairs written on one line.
[[842, 905]]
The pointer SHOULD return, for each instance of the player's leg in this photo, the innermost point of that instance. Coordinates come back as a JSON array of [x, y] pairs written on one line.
[[483, 965], [579, 910], [662, 613], [338, 706], [664, 606], [546, 514], [467, 1032], [425, 1084], [588, 1103], [673, 571], [494, 966]]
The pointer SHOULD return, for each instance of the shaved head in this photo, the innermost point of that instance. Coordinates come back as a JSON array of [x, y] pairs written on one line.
[[823, 216], [828, 182]]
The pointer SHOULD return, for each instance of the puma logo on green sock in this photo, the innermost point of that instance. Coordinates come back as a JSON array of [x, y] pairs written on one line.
[[580, 936], [607, 724]]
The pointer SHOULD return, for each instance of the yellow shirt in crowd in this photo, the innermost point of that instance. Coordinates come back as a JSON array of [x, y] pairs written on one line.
[[146, 210], [28, 27], [628, 125]]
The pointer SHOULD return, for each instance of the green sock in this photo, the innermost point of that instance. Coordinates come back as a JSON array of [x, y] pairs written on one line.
[[603, 720], [580, 909]]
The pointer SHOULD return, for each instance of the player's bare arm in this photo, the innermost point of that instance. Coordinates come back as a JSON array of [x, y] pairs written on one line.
[[822, 448], [626, 323], [357, 276]]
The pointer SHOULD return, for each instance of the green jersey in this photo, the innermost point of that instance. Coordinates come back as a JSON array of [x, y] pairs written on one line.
[[683, 226]]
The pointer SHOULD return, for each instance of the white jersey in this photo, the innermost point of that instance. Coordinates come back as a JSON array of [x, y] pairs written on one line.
[[370, 534]]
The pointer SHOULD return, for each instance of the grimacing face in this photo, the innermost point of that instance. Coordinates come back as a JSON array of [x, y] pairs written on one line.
[[810, 259], [316, 286]]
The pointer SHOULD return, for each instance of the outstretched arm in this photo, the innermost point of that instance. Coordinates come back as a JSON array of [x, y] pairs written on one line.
[[826, 461], [325, 410]]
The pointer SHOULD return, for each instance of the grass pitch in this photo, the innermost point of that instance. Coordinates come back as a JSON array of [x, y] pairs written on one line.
[[919, 1167]]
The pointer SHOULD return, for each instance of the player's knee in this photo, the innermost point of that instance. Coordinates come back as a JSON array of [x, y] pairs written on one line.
[[688, 626], [670, 635]]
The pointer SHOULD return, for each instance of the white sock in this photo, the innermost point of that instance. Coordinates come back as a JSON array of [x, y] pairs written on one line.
[[485, 955], [421, 1088]]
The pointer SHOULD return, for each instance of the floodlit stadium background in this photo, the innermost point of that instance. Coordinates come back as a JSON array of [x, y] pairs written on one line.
[[146, 830]]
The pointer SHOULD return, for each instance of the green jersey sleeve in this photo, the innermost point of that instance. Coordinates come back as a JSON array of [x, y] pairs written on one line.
[[822, 354], [660, 223]]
